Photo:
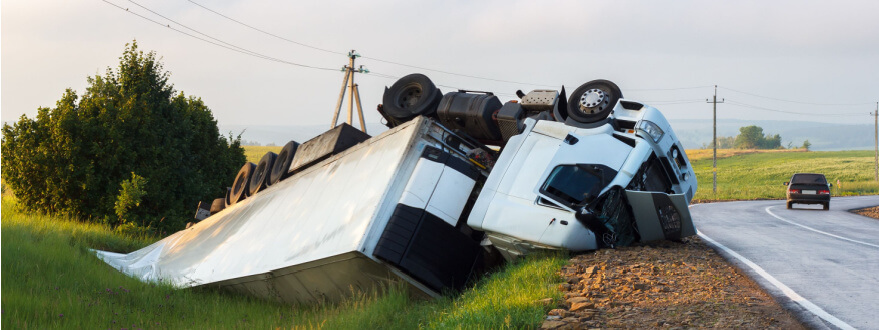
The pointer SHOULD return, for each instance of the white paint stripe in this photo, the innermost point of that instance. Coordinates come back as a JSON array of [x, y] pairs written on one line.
[[818, 231], [808, 305]]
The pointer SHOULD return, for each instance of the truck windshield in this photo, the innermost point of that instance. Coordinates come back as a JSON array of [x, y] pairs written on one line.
[[572, 184]]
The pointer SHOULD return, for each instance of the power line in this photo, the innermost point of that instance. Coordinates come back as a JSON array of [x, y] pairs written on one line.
[[232, 47], [744, 105], [188, 28], [792, 101], [266, 32], [229, 46], [383, 60], [368, 57]]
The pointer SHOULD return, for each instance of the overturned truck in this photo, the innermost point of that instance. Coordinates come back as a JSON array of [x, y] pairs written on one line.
[[428, 203]]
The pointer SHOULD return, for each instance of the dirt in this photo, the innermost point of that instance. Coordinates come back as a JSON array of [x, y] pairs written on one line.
[[666, 284], [872, 212]]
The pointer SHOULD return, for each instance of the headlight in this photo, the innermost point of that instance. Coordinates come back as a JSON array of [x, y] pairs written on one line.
[[652, 129]]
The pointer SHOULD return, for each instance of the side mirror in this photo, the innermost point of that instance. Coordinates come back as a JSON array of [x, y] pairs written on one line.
[[830, 184], [786, 183]]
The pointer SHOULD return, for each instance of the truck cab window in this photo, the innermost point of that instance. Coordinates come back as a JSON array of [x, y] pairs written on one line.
[[571, 185]]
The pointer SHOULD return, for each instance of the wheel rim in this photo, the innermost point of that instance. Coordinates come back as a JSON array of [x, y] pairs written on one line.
[[241, 183], [409, 96], [593, 101]]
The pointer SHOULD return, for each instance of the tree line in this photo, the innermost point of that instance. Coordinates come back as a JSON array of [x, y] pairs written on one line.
[[752, 137]]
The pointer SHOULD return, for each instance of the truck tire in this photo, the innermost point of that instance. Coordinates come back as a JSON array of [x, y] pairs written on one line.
[[282, 163], [239, 186], [411, 96], [593, 101], [218, 205], [261, 174]]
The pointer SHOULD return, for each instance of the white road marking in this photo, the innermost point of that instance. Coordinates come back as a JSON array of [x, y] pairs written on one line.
[[818, 231], [808, 305]]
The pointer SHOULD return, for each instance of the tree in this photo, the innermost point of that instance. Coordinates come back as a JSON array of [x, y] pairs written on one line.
[[76, 158], [751, 137], [806, 145], [771, 142]]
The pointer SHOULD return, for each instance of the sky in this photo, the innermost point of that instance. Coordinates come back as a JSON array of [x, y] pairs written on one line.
[[772, 60]]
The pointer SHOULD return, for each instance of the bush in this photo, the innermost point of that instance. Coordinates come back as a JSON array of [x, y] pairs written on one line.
[[73, 159]]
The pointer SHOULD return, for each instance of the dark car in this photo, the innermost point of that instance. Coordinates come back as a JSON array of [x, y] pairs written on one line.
[[808, 188]]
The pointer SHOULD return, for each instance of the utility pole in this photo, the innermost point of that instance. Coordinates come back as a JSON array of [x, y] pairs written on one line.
[[876, 139], [715, 135], [354, 93]]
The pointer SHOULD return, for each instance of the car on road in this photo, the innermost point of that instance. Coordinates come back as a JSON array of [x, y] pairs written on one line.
[[808, 188]]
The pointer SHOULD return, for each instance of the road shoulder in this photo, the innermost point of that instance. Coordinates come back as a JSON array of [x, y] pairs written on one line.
[[664, 284]]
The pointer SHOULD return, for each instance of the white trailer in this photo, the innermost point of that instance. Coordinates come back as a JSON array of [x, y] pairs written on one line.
[[385, 210]]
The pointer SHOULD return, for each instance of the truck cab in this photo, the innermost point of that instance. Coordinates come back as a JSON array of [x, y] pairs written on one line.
[[557, 186]]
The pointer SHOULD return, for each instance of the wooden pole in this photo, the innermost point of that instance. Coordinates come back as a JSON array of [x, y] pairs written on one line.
[[359, 108], [351, 88], [354, 92], [339, 103]]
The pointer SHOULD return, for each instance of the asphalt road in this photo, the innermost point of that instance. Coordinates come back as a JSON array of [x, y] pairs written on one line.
[[825, 261]]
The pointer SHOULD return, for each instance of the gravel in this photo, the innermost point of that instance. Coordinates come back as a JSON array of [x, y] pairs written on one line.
[[872, 212], [663, 284]]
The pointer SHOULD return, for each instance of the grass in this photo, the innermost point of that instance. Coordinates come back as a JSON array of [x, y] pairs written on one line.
[[756, 175], [51, 279], [255, 153]]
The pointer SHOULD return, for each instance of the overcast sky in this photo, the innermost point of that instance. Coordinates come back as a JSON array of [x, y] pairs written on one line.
[[781, 52]]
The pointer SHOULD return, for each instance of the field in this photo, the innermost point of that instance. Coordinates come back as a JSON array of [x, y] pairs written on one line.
[[254, 153], [745, 174], [51, 279], [702, 154]]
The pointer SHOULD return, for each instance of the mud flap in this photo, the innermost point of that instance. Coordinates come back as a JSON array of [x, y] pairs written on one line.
[[660, 215]]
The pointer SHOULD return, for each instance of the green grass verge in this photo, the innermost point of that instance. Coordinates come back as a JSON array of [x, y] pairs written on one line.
[[51, 279], [761, 175]]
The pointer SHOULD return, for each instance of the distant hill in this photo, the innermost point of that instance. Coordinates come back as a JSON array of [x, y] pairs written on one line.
[[696, 133]]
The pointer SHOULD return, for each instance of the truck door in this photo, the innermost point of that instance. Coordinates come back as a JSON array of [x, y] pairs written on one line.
[[514, 210], [578, 172]]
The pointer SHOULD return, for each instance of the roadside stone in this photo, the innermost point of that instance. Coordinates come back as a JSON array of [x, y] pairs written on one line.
[[581, 306], [590, 270], [558, 312], [552, 324], [575, 300], [545, 302]]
